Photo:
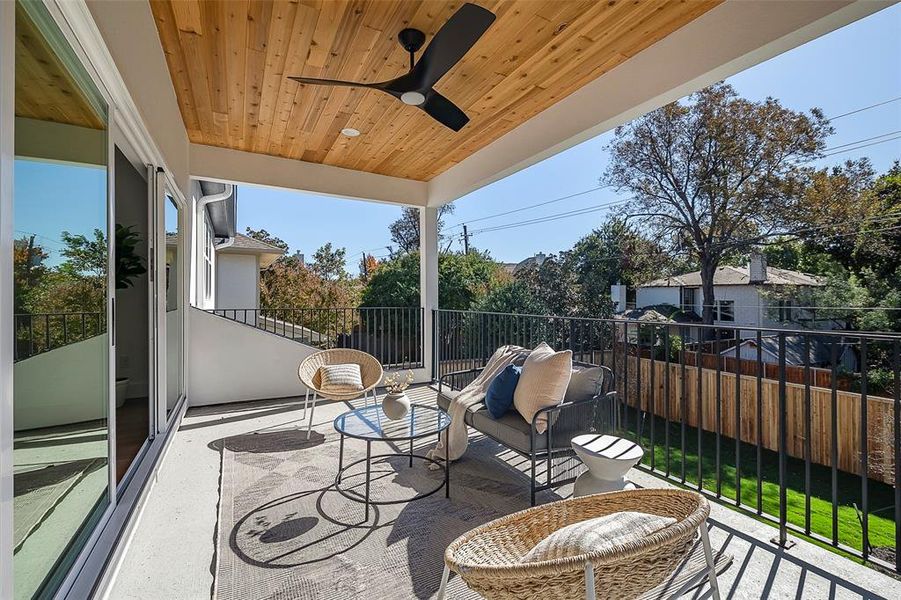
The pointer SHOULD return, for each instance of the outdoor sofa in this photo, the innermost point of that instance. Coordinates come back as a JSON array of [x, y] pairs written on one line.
[[589, 414]]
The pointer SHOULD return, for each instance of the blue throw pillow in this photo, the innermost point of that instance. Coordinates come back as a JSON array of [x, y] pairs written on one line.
[[499, 397]]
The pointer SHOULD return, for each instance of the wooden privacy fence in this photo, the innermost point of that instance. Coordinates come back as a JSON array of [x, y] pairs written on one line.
[[846, 434], [819, 377]]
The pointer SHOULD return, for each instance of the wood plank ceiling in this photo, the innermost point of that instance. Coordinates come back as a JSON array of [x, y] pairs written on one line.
[[45, 89], [229, 61]]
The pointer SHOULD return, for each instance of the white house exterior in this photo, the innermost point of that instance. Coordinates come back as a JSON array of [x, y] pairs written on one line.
[[740, 295], [238, 267]]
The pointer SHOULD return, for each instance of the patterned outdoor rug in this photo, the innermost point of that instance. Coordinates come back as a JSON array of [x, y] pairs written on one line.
[[285, 533]]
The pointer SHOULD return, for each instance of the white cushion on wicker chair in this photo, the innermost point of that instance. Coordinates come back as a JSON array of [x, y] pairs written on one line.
[[341, 378], [620, 529], [542, 383]]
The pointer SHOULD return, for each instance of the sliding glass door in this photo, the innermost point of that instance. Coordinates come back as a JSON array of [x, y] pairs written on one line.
[[62, 343], [174, 282]]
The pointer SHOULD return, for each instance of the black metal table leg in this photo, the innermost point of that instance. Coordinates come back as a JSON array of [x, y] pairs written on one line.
[[368, 469], [340, 457], [446, 466], [411, 453]]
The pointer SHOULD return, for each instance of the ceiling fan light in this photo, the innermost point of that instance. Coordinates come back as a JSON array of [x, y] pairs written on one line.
[[412, 98]]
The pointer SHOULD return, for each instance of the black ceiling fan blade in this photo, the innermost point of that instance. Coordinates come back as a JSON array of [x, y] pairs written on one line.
[[444, 111], [339, 82], [451, 43]]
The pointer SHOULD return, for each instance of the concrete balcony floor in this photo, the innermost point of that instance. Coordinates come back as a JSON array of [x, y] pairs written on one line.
[[242, 508]]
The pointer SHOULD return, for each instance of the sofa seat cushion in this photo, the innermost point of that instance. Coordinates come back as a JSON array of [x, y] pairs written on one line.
[[511, 429], [447, 396]]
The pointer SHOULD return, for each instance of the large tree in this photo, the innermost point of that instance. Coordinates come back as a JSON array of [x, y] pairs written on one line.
[[715, 173], [463, 280], [615, 252], [405, 230]]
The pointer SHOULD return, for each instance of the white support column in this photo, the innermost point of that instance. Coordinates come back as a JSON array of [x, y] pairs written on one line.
[[428, 277]]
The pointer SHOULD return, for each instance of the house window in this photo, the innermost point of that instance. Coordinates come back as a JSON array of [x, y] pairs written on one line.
[[689, 296], [725, 310], [785, 310], [208, 262]]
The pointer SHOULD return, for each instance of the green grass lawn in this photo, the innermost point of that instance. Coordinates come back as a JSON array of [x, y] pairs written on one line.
[[881, 496]]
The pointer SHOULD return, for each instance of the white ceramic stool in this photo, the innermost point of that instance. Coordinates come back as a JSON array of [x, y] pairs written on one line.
[[608, 459]]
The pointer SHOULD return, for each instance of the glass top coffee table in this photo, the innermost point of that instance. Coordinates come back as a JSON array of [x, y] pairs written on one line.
[[370, 424]]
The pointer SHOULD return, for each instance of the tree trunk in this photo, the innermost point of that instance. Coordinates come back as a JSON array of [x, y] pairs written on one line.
[[708, 268]]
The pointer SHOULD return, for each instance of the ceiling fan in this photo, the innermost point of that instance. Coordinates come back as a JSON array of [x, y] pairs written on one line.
[[449, 45]]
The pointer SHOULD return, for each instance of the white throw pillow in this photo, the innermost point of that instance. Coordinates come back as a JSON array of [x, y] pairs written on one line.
[[340, 379], [542, 383], [598, 534]]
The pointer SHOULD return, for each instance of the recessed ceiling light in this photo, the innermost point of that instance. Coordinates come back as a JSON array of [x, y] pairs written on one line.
[[350, 132]]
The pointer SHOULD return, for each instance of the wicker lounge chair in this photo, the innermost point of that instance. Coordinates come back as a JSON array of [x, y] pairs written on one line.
[[308, 373], [487, 558]]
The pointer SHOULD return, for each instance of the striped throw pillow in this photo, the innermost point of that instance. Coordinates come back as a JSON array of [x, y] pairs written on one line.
[[341, 379], [616, 530], [542, 383]]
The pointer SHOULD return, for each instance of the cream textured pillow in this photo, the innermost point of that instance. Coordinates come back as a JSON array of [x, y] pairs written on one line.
[[542, 383], [340, 379], [598, 534]]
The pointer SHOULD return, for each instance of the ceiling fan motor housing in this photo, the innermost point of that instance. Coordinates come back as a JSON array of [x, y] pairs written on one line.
[[411, 39]]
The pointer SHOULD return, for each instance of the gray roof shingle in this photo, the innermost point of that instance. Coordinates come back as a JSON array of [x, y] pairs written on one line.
[[729, 275]]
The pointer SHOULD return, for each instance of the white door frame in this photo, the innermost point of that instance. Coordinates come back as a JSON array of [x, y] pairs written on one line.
[[7, 165]]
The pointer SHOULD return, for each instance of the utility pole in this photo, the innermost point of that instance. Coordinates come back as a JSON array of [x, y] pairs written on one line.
[[465, 239]]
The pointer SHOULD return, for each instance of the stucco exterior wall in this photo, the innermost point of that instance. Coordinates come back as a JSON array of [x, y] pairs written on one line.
[[231, 362], [237, 281]]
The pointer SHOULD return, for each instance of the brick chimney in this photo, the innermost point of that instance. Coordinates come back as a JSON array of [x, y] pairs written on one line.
[[757, 267]]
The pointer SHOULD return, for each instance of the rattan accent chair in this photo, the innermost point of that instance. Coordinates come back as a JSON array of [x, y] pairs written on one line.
[[308, 372], [488, 557]]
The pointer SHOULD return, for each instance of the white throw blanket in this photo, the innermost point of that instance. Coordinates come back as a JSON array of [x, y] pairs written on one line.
[[456, 434]]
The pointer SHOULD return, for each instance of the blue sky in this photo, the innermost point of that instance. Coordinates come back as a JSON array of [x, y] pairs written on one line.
[[60, 197], [850, 68]]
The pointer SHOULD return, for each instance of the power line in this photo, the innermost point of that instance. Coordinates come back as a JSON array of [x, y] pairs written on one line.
[[545, 203], [875, 137], [859, 147], [857, 110]]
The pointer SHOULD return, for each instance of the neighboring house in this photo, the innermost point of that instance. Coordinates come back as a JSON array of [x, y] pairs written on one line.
[[820, 351], [238, 267], [532, 261], [740, 295], [658, 314]]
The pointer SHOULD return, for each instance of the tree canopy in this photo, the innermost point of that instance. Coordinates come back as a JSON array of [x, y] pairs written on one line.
[[713, 174], [405, 230]]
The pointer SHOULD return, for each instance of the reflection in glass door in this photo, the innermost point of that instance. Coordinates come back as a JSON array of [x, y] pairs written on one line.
[[174, 313], [61, 378]]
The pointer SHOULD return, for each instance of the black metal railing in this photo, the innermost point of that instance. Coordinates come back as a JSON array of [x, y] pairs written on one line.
[[801, 428], [36, 333], [392, 334]]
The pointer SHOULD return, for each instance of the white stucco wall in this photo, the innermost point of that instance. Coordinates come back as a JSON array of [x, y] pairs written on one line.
[[237, 280], [231, 362], [62, 386]]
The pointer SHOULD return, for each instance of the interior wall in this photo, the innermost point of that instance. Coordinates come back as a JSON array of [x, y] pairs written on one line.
[[132, 303]]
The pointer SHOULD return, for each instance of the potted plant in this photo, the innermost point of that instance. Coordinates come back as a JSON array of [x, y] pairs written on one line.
[[396, 404], [129, 265]]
